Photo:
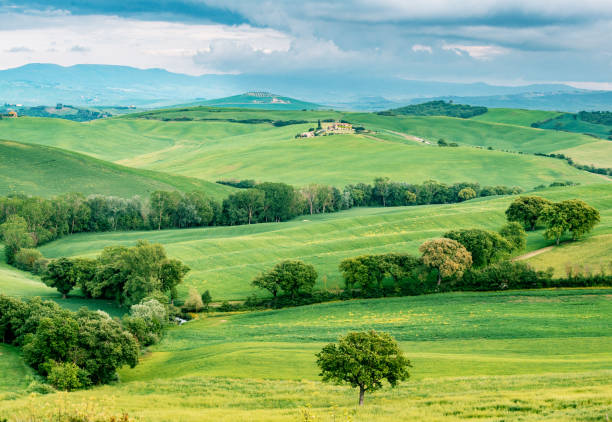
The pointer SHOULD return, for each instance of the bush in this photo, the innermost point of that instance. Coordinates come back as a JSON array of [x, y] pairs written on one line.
[[26, 259], [66, 376], [504, 276], [194, 301]]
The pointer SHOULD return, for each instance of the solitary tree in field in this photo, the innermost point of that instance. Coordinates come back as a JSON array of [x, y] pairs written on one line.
[[527, 210], [363, 360], [574, 216], [448, 256]]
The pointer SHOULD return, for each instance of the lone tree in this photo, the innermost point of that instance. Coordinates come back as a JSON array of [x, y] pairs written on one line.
[[364, 360], [61, 275], [527, 210], [573, 215], [448, 256], [291, 276]]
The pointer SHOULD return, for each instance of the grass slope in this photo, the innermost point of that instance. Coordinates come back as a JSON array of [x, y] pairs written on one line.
[[219, 148], [46, 171], [225, 259], [16, 283], [515, 116], [524, 355]]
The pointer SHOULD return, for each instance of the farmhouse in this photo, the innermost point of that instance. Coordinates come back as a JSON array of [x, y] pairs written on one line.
[[12, 113], [309, 134]]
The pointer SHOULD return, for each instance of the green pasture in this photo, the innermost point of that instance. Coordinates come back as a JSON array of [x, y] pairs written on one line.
[[225, 259], [213, 149], [520, 355], [47, 171], [515, 116], [572, 123]]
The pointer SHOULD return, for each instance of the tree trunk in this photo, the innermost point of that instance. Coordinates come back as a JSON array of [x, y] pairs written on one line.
[[439, 278], [361, 394], [558, 239], [63, 295]]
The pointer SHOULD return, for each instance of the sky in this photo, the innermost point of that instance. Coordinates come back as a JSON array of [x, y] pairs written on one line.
[[510, 42]]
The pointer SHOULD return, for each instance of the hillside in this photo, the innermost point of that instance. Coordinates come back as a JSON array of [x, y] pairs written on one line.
[[483, 354], [225, 259], [45, 171], [259, 100], [215, 143], [437, 108]]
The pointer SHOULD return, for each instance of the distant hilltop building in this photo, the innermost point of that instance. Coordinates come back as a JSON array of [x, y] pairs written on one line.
[[259, 94]]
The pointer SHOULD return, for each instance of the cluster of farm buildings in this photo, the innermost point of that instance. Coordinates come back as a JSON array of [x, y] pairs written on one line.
[[328, 128]]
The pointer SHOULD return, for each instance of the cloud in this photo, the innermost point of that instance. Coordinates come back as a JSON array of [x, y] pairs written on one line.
[[526, 40], [420, 48], [19, 49], [79, 49], [479, 52]]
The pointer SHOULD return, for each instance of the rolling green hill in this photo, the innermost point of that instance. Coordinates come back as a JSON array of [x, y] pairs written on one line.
[[522, 355], [515, 116], [213, 143], [225, 259], [45, 171], [573, 123]]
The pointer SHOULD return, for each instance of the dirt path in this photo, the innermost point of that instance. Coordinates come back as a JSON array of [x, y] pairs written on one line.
[[533, 253], [409, 137]]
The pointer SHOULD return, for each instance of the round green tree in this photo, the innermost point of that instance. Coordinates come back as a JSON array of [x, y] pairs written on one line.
[[527, 210], [363, 360], [466, 194], [448, 256]]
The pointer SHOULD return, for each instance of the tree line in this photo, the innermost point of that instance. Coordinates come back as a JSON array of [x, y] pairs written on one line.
[[465, 259], [29, 221]]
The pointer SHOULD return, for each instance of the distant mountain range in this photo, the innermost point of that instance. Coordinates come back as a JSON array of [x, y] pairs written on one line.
[[262, 100], [94, 85]]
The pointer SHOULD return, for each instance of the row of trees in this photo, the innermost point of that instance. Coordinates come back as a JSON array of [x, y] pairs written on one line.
[[571, 216], [126, 275], [26, 222]]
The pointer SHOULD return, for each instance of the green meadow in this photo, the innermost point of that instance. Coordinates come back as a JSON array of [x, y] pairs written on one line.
[[211, 146], [47, 171], [474, 355], [225, 259]]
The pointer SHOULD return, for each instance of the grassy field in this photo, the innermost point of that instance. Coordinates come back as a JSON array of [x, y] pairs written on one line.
[[515, 116], [475, 355], [213, 149], [571, 123], [225, 259], [47, 171]]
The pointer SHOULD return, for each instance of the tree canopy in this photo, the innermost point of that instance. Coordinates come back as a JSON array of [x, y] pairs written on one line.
[[527, 210], [573, 216], [448, 256], [363, 360]]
